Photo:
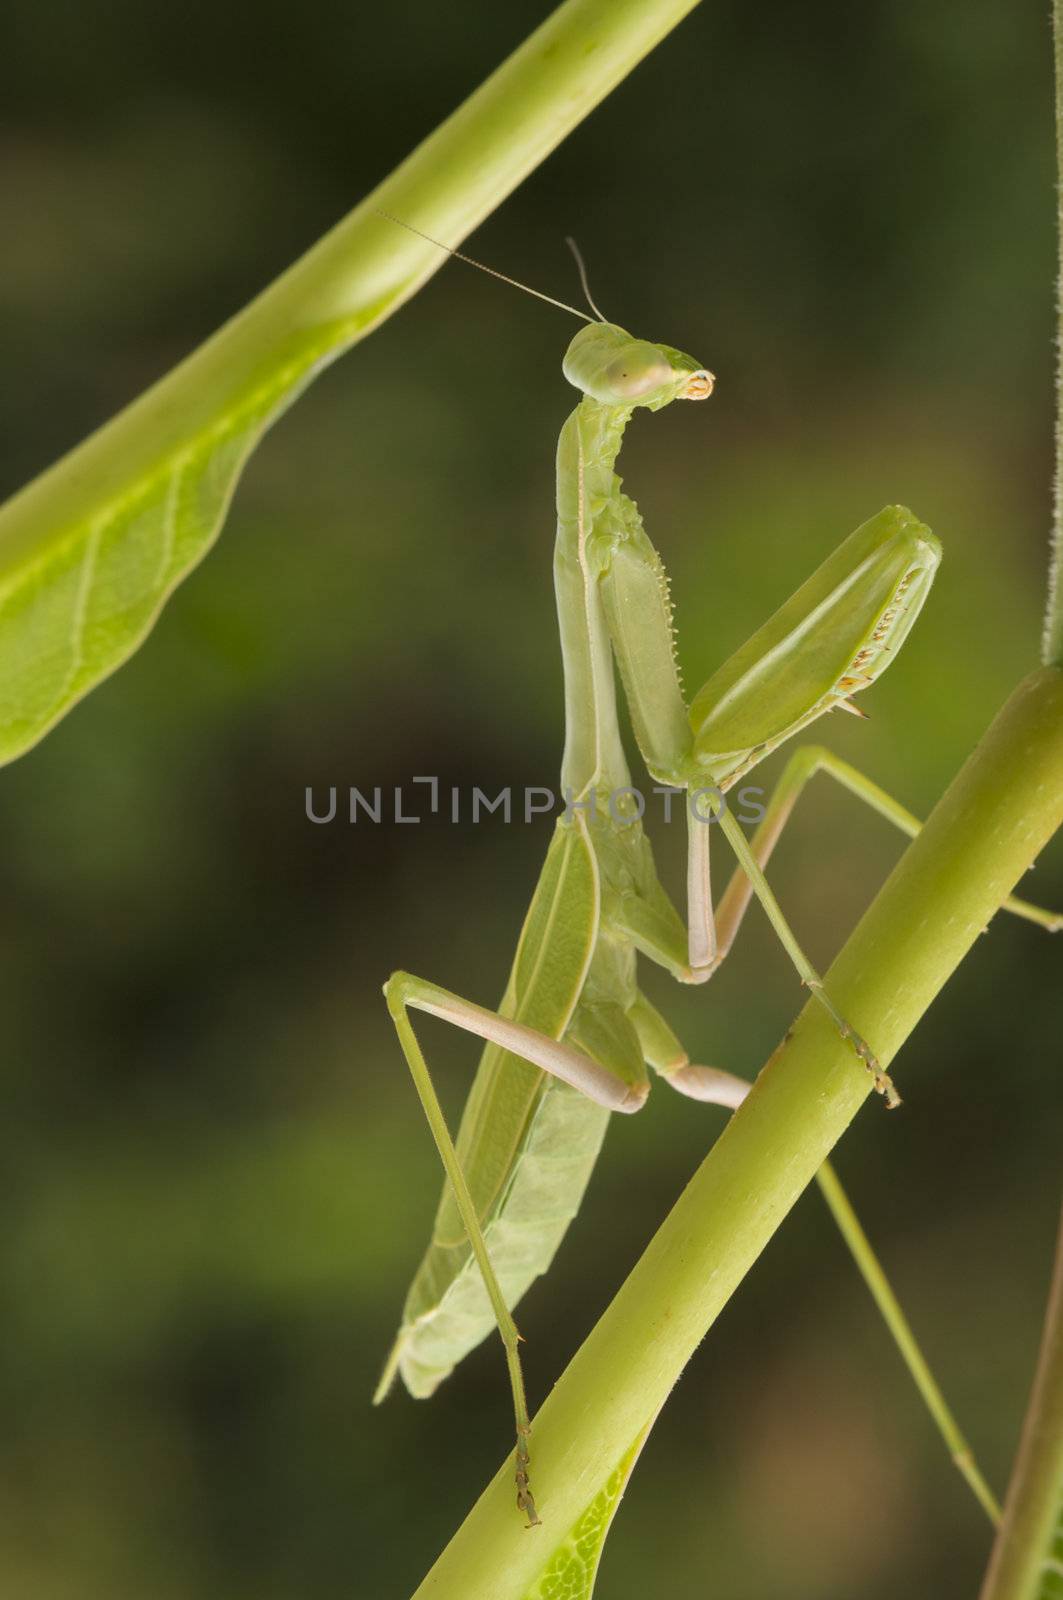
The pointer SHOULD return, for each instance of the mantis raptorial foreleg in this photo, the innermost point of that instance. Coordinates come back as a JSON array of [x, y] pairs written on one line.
[[831, 639]]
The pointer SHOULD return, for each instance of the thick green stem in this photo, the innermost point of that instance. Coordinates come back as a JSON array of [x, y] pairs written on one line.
[[366, 267], [1053, 640], [1024, 1565], [986, 831]]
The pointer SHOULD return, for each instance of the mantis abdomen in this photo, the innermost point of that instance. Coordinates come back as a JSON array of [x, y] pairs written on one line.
[[527, 1141]]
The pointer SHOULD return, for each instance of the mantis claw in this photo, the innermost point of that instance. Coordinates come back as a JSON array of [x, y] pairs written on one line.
[[525, 1498], [882, 1081], [884, 1084]]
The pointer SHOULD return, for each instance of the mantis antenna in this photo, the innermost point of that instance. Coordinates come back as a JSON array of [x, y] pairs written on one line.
[[491, 271], [580, 263]]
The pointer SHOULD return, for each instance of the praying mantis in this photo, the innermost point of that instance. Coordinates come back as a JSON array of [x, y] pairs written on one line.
[[573, 1035]]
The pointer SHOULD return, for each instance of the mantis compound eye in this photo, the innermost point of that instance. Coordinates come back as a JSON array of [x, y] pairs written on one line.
[[639, 370]]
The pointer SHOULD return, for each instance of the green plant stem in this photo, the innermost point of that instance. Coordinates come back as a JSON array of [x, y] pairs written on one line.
[[897, 1322], [1001, 809], [366, 267], [1053, 640], [1027, 1558], [1022, 1556]]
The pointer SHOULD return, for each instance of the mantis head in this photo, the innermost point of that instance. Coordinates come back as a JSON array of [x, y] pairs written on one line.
[[606, 363]]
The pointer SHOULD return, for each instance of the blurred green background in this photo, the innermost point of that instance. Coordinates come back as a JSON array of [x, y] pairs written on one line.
[[216, 1177]]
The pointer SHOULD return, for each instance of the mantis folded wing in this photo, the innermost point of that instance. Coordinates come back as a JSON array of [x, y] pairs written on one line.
[[573, 1035]]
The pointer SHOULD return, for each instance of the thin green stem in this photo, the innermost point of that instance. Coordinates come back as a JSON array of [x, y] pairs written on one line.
[[1027, 1559], [986, 831], [895, 1319], [1053, 640], [1024, 1565]]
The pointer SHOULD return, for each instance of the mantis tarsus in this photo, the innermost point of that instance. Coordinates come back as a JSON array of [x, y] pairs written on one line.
[[573, 1035]]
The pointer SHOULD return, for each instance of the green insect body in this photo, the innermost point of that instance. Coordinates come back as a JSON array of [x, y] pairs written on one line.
[[528, 1141], [573, 1036]]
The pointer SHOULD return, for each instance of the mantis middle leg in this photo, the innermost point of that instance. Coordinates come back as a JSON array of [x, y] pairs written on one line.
[[656, 940], [803, 765]]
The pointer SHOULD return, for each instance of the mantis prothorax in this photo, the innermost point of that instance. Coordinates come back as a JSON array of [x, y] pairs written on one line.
[[573, 1035]]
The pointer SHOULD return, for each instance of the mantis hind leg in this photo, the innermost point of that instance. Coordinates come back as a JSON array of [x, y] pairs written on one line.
[[403, 992], [666, 1055]]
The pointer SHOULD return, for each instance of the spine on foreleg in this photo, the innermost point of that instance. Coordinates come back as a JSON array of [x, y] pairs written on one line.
[[636, 597]]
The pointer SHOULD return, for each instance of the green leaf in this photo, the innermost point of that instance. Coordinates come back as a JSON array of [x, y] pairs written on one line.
[[76, 608]]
